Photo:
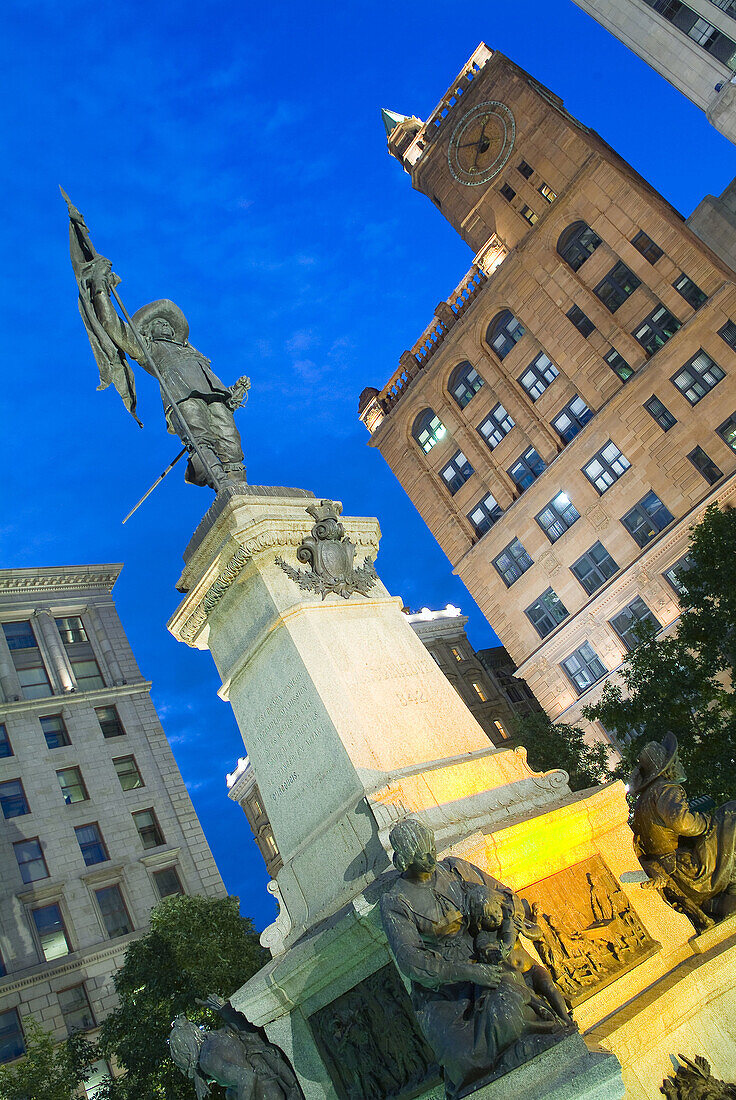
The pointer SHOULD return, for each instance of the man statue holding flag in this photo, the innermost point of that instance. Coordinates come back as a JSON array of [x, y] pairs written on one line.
[[198, 406]]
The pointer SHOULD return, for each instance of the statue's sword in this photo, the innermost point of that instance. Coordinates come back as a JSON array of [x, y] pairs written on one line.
[[157, 482]]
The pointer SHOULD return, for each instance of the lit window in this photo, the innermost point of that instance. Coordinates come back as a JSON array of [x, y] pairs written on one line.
[[13, 800], [698, 377], [504, 332], [618, 365], [728, 333], [51, 932], [428, 429], [507, 192], [656, 329], [662, 415], [584, 667], [576, 244], [485, 514], [606, 466], [76, 1009], [12, 1044], [538, 375], [6, 749], [646, 519], [692, 294], [571, 419], [547, 193], [148, 828], [127, 772], [627, 623], [727, 432], [167, 882], [643, 243], [72, 630], [618, 285], [594, 568], [91, 844], [547, 612], [87, 674], [527, 469], [500, 729], [512, 562], [456, 472], [525, 169], [496, 425], [558, 516], [479, 691], [582, 322], [464, 383], [676, 575], [72, 785], [457, 654], [528, 214], [55, 731], [705, 465], [114, 914], [31, 860], [110, 723]]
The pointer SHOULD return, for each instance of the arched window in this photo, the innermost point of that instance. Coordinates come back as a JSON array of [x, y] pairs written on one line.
[[576, 243], [504, 331], [428, 429], [464, 383]]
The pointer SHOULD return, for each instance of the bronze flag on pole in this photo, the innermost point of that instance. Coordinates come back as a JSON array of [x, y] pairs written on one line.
[[111, 360]]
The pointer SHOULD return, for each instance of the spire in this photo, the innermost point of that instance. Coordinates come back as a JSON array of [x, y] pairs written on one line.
[[391, 119]]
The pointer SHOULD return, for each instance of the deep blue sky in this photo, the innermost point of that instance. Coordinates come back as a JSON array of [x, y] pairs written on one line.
[[231, 157]]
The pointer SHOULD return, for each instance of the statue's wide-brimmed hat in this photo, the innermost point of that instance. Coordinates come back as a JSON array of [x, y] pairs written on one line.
[[169, 311], [654, 758]]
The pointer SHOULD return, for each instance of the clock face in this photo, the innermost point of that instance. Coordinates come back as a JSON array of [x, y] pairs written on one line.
[[481, 143]]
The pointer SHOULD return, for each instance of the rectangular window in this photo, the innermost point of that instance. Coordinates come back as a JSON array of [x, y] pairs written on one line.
[[479, 691], [456, 472], [528, 214], [727, 432], [618, 285], [114, 914], [525, 169], [485, 514], [538, 375], [13, 801], [618, 365], [547, 193], [6, 749], [557, 517], [91, 844], [570, 420], [692, 294], [457, 654], [646, 519], [507, 192], [546, 613], [676, 575], [698, 377], [128, 774], [512, 562], [51, 932], [87, 674], [606, 466], [72, 785], [76, 1009], [502, 732], [55, 731], [93, 1083], [584, 667], [643, 243], [34, 681], [12, 1044], [527, 469], [148, 828], [496, 425], [110, 723], [594, 568], [627, 623], [20, 635], [662, 415], [705, 465], [72, 630], [656, 329], [728, 333], [167, 882], [27, 659], [582, 322], [31, 860]]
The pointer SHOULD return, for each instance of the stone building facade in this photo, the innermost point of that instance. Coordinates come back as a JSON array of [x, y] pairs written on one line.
[[484, 680], [692, 45], [570, 411], [96, 825]]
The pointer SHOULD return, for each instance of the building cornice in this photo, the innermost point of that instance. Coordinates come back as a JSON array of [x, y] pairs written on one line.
[[73, 963], [98, 697], [62, 578]]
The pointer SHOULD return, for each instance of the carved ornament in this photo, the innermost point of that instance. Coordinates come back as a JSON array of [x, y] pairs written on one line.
[[331, 556]]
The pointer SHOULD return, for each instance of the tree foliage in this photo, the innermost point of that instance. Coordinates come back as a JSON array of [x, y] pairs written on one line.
[[684, 683], [196, 946], [49, 1070], [562, 746]]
